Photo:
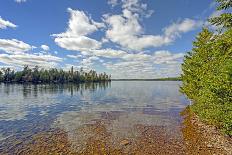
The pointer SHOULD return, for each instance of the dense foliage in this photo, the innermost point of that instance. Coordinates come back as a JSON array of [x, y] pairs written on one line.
[[207, 72], [36, 75]]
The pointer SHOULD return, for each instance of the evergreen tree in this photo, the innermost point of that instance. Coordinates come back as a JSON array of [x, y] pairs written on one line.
[[225, 19], [207, 73], [36, 75]]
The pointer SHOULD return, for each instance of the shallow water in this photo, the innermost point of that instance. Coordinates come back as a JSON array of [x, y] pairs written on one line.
[[115, 118]]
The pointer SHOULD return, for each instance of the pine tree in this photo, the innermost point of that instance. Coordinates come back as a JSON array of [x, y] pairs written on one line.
[[207, 73]]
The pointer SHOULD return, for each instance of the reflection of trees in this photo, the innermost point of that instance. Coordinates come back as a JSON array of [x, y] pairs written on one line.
[[7, 89], [60, 88]]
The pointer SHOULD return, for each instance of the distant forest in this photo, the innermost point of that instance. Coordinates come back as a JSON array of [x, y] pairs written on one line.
[[158, 79], [53, 75]]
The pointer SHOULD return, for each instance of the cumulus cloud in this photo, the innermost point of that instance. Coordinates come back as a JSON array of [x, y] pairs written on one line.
[[127, 58], [75, 56], [159, 64], [14, 46], [126, 31], [88, 62], [112, 2], [77, 43], [19, 60], [20, 1], [131, 70], [18, 53], [183, 26], [76, 35], [4, 24], [85, 62], [131, 65], [136, 6], [107, 53], [166, 57], [45, 47], [132, 5], [125, 28]]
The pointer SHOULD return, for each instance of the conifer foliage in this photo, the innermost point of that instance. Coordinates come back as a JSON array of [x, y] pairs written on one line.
[[53, 75], [207, 72]]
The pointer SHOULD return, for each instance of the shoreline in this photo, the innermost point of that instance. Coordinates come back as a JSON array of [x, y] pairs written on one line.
[[202, 138], [196, 138]]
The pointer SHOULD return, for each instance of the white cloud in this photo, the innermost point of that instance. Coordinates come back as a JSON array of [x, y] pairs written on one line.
[[4, 24], [87, 63], [136, 6], [112, 2], [126, 31], [107, 53], [75, 56], [77, 43], [166, 57], [123, 29], [14, 46], [17, 54], [89, 60], [184, 26], [145, 66], [84, 62], [45, 47], [20, 1], [79, 27], [19, 60], [29, 59], [127, 58]]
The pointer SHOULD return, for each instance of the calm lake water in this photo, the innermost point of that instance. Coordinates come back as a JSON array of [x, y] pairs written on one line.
[[78, 118]]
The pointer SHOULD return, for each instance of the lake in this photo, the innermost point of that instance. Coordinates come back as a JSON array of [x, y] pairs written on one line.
[[118, 117]]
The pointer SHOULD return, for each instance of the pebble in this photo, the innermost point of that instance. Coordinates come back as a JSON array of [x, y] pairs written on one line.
[[209, 145], [124, 142]]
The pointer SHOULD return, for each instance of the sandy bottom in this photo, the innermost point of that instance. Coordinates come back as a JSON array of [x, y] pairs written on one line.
[[95, 139]]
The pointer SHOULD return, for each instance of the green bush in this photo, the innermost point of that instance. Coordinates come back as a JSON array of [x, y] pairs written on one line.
[[207, 74]]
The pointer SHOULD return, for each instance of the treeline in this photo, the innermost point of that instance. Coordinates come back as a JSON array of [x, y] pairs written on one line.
[[159, 79], [169, 79], [36, 75], [207, 71]]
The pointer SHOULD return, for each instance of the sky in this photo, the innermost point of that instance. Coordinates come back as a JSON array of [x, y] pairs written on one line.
[[124, 38]]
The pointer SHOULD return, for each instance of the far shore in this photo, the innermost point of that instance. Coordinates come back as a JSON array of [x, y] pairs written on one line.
[[161, 79]]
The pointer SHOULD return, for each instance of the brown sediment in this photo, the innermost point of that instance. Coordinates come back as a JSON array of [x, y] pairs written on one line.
[[54, 143], [155, 140], [203, 139], [151, 140], [99, 142], [194, 138]]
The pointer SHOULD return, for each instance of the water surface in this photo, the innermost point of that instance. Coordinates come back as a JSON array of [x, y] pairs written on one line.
[[116, 117]]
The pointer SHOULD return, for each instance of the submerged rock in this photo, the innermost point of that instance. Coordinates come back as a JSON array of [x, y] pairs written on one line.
[[125, 142]]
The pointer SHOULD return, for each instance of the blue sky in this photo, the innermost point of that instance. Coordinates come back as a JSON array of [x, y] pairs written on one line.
[[125, 38]]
